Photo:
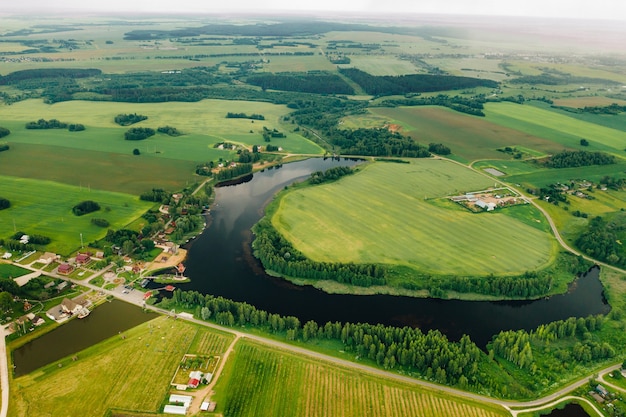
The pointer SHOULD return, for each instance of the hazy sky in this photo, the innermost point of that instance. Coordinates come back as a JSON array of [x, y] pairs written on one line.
[[601, 9]]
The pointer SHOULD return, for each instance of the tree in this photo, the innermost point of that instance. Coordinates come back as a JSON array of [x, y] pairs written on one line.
[[6, 301], [584, 142], [128, 246], [4, 203], [136, 152]]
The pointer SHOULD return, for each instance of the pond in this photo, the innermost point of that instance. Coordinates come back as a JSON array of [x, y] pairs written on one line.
[[220, 262], [104, 321]]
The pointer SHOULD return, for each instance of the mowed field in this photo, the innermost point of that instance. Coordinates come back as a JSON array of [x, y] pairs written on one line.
[[263, 382], [469, 137], [203, 123], [45, 208], [564, 130], [131, 374], [395, 214]]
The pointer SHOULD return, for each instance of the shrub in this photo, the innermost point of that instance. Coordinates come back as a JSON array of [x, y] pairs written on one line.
[[4, 203], [85, 207], [4, 132], [100, 222], [139, 133], [136, 152]]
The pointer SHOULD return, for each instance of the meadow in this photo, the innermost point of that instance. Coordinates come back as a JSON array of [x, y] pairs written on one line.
[[259, 381], [131, 373], [45, 208], [395, 214], [469, 137], [12, 271]]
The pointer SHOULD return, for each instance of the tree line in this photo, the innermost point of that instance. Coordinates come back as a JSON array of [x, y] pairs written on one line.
[[430, 354], [377, 142], [388, 85], [253, 116], [332, 174], [278, 254], [235, 171], [37, 74], [318, 82], [570, 159], [46, 124]]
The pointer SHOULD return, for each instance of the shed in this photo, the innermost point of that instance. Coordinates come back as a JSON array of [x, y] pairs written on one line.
[[175, 409], [181, 399]]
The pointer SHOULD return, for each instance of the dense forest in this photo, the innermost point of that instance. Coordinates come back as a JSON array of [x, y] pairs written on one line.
[[569, 159], [377, 142], [43, 73], [312, 82], [413, 83], [602, 239]]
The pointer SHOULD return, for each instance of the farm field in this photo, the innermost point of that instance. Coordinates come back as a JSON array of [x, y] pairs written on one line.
[[117, 172], [469, 137], [559, 128], [11, 271], [382, 65], [394, 214], [128, 374], [203, 124], [260, 381], [544, 177], [612, 121], [45, 208]]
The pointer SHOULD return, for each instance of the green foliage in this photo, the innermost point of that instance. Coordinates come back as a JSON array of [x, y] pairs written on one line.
[[138, 133], [234, 171], [169, 130], [129, 119], [394, 85], [156, 194], [569, 159], [377, 142], [601, 240], [329, 175], [439, 149], [253, 116], [76, 127], [136, 152], [46, 124], [43, 73], [4, 203], [85, 207], [247, 157], [4, 146], [4, 132], [100, 222]]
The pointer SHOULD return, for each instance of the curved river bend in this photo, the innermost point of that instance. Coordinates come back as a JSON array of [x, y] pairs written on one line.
[[220, 263]]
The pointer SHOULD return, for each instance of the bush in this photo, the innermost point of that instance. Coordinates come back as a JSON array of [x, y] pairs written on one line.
[[139, 133], [4, 147], [75, 127], [136, 152], [100, 222], [4, 132], [85, 207], [169, 130], [129, 119], [4, 203]]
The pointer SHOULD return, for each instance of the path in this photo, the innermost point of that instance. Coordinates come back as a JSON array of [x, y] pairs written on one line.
[[206, 392], [4, 374]]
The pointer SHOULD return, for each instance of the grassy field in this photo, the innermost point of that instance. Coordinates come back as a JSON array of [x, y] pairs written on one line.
[[559, 128], [380, 215], [382, 65], [129, 374], [469, 137], [12, 271], [45, 208], [203, 124], [263, 382]]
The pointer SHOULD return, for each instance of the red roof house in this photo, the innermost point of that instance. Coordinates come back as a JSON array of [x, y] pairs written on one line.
[[82, 258], [65, 269]]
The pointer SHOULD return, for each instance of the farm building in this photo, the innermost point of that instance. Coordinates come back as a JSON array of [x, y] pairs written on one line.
[[83, 258], [194, 379], [208, 406], [182, 403], [175, 409], [7, 255]]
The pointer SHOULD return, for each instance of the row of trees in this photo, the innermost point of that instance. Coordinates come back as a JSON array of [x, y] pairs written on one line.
[[278, 255], [253, 116], [235, 171], [317, 82], [570, 159], [473, 106], [46, 124], [33, 238], [169, 130], [329, 175], [430, 354], [403, 84]]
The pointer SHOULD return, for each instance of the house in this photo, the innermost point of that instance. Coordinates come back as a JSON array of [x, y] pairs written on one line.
[[7, 255], [70, 307], [24, 239], [602, 391], [194, 379], [47, 258], [82, 258], [65, 269], [37, 320]]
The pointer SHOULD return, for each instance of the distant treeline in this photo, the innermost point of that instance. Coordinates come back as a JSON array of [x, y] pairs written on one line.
[[319, 83], [36, 74], [473, 106], [332, 174], [560, 79], [413, 83], [278, 255], [253, 116], [613, 109], [571, 159]]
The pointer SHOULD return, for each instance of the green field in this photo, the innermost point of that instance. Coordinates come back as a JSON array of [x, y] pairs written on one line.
[[203, 124], [45, 208], [260, 382], [559, 128], [394, 214], [469, 137], [131, 374], [11, 271]]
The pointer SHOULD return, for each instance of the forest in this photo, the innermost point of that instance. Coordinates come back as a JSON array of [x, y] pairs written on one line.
[[570, 159]]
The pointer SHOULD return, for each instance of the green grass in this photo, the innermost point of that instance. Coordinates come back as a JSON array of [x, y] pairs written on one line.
[[203, 124], [45, 208], [11, 271], [130, 374], [380, 215], [542, 177], [260, 381], [469, 137], [559, 128], [381, 65]]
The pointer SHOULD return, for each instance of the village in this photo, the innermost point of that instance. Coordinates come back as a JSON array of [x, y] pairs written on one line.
[[489, 199]]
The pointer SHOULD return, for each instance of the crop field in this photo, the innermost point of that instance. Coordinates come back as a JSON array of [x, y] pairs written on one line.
[[390, 214], [203, 124], [559, 128], [611, 121], [213, 342], [45, 208], [382, 65], [129, 374], [545, 176], [99, 170], [262, 382], [468, 137], [12, 271], [579, 102]]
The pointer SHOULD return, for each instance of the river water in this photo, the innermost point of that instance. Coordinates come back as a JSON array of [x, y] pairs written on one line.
[[220, 263]]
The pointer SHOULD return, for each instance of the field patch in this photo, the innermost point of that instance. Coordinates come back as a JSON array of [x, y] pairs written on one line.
[[11, 271], [45, 208], [264, 382], [392, 214], [469, 137]]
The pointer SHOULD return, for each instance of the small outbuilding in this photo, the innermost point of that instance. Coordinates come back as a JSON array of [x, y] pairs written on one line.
[[180, 410]]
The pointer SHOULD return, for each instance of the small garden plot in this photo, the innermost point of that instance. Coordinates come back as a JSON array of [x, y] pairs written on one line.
[[192, 363]]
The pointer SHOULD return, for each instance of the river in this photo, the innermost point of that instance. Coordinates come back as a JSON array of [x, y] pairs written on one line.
[[220, 263]]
